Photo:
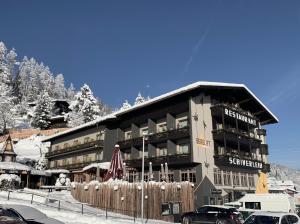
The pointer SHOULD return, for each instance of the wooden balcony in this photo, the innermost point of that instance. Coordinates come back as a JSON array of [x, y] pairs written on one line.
[[75, 148], [264, 149], [177, 159], [156, 138], [75, 166], [232, 134]]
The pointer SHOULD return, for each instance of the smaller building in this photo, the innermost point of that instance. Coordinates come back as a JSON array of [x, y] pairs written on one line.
[[30, 177]]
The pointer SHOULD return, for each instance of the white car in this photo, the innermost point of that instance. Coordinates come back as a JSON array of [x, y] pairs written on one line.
[[272, 218]]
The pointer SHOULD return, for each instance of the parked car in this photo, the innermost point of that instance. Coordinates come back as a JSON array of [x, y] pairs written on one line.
[[213, 214], [26, 214], [272, 218], [5, 219]]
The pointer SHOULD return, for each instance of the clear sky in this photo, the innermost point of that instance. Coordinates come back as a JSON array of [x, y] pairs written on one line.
[[122, 47]]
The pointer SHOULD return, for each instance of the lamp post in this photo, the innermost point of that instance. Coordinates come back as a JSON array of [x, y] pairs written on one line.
[[143, 171]]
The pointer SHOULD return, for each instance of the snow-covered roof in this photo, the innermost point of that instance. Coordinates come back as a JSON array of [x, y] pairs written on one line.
[[39, 172], [13, 166], [57, 171], [103, 165], [163, 97]]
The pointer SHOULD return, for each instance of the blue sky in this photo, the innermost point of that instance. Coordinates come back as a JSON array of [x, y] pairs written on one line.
[[122, 47]]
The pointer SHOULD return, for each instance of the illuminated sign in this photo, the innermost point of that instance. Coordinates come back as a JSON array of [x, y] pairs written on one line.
[[240, 117]]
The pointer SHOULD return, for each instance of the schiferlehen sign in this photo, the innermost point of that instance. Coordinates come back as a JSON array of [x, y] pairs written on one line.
[[245, 163]]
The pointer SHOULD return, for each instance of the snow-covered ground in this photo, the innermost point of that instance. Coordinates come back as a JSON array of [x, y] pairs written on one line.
[[70, 212]]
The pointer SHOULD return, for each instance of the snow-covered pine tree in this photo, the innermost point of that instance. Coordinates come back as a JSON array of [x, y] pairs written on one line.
[[59, 87], [6, 104], [11, 64], [71, 92], [4, 73], [126, 105], [84, 108], [42, 113], [139, 99]]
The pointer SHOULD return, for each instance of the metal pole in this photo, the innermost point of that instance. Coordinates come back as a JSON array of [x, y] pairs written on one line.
[[143, 171]]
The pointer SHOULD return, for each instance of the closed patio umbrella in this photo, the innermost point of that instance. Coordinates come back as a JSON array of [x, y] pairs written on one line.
[[116, 169]]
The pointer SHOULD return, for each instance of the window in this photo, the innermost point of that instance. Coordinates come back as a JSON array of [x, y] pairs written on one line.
[[74, 160], [55, 163], [162, 127], [64, 162], [146, 177], [144, 131], [182, 122], [128, 135], [145, 153], [57, 147], [100, 155], [86, 139], [253, 205], [66, 145], [126, 155], [162, 151], [171, 176], [183, 148], [188, 175], [75, 142], [100, 136], [227, 178], [217, 176], [236, 178], [292, 219], [244, 180], [85, 158], [251, 181], [133, 177]]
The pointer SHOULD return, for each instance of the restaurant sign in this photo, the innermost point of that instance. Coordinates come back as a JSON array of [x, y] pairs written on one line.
[[245, 163], [241, 117]]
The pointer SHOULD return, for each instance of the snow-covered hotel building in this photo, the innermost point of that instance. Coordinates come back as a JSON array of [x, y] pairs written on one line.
[[208, 133]]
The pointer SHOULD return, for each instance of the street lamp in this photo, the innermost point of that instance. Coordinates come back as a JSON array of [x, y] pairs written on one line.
[[145, 135]]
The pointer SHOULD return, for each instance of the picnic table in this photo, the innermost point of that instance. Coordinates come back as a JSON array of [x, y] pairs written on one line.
[[51, 187]]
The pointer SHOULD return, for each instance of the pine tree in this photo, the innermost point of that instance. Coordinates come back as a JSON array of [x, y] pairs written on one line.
[[71, 92], [126, 105], [42, 113], [59, 87], [4, 74], [11, 64], [84, 108], [139, 99], [6, 103]]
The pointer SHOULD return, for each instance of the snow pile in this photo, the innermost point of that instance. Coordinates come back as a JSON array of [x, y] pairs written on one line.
[[9, 181], [103, 165], [62, 180], [56, 171]]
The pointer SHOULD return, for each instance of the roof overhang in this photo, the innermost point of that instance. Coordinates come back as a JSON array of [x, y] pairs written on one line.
[[230, 92]]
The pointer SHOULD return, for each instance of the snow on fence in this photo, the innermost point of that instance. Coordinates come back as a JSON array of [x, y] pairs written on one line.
[[125, 198]]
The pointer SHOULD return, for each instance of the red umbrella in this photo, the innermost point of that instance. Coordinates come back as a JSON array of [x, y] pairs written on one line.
[[116, 168]]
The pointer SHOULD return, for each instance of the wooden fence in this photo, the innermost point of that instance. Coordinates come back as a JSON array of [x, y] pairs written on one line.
[[125, 198]]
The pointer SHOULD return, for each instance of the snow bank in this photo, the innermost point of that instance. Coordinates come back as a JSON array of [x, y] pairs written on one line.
[[10, 178]]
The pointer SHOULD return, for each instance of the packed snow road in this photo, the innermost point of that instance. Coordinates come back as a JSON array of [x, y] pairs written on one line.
[[70, 212]]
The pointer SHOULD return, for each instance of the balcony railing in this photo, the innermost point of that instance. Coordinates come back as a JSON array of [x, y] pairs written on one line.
[[233, 133], [93, 144], [264, 149], [157, 137], [72, 166], [261, 131], [175, 159]]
